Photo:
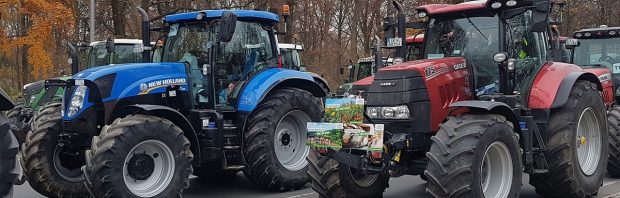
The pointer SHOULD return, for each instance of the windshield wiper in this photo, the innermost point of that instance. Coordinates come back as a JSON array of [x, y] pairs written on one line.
[[478, 29]]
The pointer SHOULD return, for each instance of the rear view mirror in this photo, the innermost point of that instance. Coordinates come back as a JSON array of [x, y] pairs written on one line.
[[229, 22], [541, 15], [109, 45], [341, 71]]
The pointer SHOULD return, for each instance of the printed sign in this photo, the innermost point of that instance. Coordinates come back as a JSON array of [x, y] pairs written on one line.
[[394, 42], [337, 136], [344, 110], [616, 68], [324, 135]]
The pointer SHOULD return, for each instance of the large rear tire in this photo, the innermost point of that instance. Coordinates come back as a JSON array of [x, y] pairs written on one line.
[[18, 122], [613, 121], [577, 146], [8, 163], [474, 156], [275, 148], [333, 180], [139, 156], [47, 166]]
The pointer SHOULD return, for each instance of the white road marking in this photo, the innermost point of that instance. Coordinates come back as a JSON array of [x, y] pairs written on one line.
[[617, 195], [610, 183], [302, 195]]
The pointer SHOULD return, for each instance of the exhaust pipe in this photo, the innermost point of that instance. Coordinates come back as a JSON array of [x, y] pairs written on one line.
[[378, 54], [146, 36], [402, 30], [73, 55]]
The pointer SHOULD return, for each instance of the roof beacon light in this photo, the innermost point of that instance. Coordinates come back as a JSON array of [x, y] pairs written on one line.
[[579, 35], [511, 3], [285, 10], [587, 34], [496, 5], [612, 33], [604, 26]]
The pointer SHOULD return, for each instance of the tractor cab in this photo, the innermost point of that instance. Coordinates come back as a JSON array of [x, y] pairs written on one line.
[[124, 51], [291, 56], [598, 48]]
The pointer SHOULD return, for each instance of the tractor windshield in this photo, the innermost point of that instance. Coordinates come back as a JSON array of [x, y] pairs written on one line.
[[291, 59], [250, 50], [474, 38], [359, 71], [598, 52], [123, 53]]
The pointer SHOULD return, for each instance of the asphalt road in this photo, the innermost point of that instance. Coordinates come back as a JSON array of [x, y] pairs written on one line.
[[239, 186]]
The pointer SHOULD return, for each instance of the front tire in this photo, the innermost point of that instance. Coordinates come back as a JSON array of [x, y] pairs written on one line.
[[577, 146], [275, 148], [474, 156], [613, 121], [47, 166], [8, 162], [139, 156], [334, 180]]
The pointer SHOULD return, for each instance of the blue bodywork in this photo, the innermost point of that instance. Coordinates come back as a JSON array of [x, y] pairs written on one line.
[[136, 79], [249, 15], [263, 82]]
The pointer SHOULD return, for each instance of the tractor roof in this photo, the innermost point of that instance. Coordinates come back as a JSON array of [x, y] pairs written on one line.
[[478, 6], [290, 46], [215, 14], [119, 42], [600, 32]]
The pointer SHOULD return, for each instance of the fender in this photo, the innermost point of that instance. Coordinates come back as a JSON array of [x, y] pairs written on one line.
[[567, 85], [272, 79], [553, 83], [491, 107], [319, 79], [175, 117]]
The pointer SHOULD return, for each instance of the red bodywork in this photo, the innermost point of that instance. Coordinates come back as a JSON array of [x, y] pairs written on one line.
[[548, 80], [445, 85], [433, 9]]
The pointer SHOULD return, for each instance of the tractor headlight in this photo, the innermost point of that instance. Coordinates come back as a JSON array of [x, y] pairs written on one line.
[[77, 101], [398, 112], [31, 99]]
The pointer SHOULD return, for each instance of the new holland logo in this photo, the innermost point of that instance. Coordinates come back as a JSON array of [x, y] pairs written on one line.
[[145, 88]]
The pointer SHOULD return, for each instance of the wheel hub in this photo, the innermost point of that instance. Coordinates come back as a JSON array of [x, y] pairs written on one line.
[[589, 141], [141, 166], [285, 139]]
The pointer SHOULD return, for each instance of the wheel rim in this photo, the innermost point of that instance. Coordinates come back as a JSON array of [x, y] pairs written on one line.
[[148, 168], [72, 174], [361, 179], [289, 140], [496, 171], [588, 141]]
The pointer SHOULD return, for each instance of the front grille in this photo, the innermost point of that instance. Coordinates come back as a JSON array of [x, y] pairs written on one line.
[[395, 88]]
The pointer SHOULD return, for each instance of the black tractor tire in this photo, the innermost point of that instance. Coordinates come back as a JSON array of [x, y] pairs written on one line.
[[458, 152], [565, 177], [334, 180], [41, 166], [213, 172], [106, 160], [263, 166], [8, 160], [18, 123], [613, 121]]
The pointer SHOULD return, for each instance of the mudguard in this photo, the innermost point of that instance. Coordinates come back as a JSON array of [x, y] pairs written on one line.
[[567, 84], [5, 101], [319, 79], [261, 84], [492, 107], [178, 119]]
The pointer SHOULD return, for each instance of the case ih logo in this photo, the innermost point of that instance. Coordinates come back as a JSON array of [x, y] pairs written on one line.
[[385, 84], [145, 88], [460, 66]]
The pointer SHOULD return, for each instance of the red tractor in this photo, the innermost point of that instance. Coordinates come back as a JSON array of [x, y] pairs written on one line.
[[485, 106]]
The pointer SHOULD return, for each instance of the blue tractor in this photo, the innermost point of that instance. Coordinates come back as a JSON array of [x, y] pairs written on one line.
[[217, 104]]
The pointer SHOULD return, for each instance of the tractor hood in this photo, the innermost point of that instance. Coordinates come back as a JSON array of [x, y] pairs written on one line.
[[131, 71], [430, 67], [128, 80]]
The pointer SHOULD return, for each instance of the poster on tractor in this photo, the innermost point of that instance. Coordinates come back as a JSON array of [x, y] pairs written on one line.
[[324, 135], [363, 137], [344, 110], [345, 136]]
